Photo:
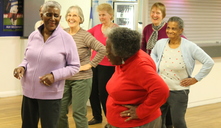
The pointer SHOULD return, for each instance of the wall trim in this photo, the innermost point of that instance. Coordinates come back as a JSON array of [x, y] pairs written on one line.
[[10, 93], [204, 102]]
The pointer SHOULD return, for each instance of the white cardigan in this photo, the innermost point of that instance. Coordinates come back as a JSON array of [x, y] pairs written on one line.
[[191, 52]]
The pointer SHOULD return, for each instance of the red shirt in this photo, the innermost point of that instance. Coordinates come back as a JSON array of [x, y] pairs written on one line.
[[135, 83], [97, 33]]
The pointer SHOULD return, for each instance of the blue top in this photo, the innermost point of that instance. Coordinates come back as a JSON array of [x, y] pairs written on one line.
[[191, 52]]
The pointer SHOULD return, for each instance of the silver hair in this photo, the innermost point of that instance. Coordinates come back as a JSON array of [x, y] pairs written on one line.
[[49, 4], [79, 11], [178, 20]]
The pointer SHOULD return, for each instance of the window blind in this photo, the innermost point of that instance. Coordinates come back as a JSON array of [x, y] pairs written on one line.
[[202, 19]]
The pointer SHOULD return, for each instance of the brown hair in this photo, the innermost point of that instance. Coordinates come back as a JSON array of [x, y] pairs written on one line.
[[160, 6]]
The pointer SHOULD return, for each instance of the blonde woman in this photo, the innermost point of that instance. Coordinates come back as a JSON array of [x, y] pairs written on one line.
[[104, 70]]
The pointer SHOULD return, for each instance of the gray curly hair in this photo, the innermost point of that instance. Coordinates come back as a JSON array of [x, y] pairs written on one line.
[[125, 42]]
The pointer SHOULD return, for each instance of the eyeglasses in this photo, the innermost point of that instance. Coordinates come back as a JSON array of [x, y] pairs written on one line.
[[52, 14]]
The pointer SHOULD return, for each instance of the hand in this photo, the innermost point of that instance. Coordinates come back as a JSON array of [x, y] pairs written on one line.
[[47, 79], [19, 72], [188, 81], [85, 67], [131, 112]]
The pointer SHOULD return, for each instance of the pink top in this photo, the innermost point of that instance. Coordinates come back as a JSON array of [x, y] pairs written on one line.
[[98, 34]]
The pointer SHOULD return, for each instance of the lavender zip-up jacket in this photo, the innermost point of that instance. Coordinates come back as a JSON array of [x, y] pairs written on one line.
[[58, 55]]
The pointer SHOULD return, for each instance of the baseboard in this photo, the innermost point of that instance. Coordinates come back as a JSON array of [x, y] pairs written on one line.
[[190, 104], [204, 102], [10, 93]]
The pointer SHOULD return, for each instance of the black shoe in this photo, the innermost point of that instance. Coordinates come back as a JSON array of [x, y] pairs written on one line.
[[94, 121]]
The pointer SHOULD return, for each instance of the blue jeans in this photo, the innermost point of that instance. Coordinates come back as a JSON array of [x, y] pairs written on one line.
[[76, 92], [177, 103]]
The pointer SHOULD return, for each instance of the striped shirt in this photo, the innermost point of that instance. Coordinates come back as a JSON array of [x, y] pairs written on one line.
[[85, 42]]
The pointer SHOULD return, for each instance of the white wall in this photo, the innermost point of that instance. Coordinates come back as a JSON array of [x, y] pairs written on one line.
[[10, 54], [12, 50], [207, 90]]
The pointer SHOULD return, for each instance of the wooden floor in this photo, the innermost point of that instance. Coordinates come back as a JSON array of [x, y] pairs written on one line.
[[207, 116]]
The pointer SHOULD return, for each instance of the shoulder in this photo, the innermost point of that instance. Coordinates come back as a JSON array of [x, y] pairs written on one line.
[[97, 26], [64, 34], [147, 29], [149, 26], [115, 25], [143, 57], [34, 33], [161, 43], [189, 46], [144, 61], [163, 40], [84, 33], [188, 43]]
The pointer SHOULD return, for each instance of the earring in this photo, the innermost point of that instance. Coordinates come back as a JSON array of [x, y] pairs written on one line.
[[122, 62]]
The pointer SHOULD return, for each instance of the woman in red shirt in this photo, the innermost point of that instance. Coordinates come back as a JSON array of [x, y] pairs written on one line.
[[136, 91]]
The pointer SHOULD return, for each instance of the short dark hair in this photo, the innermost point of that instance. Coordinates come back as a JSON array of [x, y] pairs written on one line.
[[125, 42]]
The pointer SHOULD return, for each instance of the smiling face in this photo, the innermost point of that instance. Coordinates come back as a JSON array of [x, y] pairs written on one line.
[[173, 30], [73, 18], [51, 18], [156, 16], [104, 17]]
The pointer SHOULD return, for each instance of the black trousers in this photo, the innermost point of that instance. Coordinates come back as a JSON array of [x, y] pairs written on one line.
[[98, 97], [33, 109]]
